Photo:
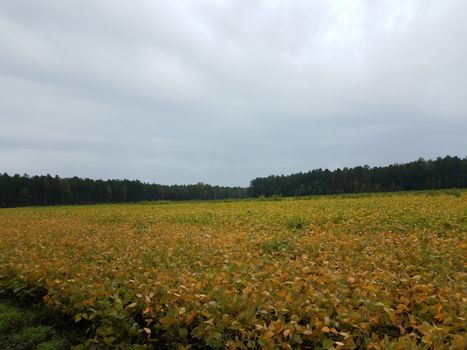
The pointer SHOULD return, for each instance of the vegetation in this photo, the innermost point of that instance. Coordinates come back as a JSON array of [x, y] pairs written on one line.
[[47, 190], [369, 271], [442, 173], [30, 326]]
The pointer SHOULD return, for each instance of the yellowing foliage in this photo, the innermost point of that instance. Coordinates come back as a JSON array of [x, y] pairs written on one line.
[[374, 271]]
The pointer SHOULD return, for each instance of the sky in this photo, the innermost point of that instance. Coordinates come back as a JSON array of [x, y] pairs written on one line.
[[221, 92]]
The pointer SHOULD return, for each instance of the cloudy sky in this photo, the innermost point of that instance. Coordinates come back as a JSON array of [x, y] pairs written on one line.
[[225, 91]]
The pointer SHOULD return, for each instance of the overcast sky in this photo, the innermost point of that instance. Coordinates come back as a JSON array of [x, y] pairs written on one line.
[[225, 91]]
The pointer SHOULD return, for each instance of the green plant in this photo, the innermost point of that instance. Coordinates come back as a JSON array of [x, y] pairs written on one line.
[[54, 344], [297, 223], [276, 245], [31, 336]]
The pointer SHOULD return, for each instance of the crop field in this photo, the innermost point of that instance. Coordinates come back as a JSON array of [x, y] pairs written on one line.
[[372, 271]]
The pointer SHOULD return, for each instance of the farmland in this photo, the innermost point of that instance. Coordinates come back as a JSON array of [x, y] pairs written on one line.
[[344, 272]]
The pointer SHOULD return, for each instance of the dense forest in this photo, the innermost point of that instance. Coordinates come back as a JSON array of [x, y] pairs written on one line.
[[448, 172], [52, 190]]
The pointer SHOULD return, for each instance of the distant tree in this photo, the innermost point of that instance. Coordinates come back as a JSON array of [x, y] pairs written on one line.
[[448, 172], [24, 196], [65, 191], [108, 193]]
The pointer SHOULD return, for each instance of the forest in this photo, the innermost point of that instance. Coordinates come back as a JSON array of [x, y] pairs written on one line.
[[442, 173], [52, 190]]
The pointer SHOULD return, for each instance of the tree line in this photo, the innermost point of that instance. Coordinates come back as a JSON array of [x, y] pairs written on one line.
[[442, 173], [27, 190]]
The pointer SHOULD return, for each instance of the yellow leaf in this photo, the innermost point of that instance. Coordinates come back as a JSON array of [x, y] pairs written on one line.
[[190, 317], [401, 308], [147, 330], [344, 334], [441, 316], [287, 333], [363, 326], [458, 342], [404, 300], [268, 334]]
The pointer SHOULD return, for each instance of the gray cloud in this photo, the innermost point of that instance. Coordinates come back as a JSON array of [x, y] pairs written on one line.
[[225, 91]]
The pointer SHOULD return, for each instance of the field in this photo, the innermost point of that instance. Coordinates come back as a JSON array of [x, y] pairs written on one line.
[[371, 271]]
